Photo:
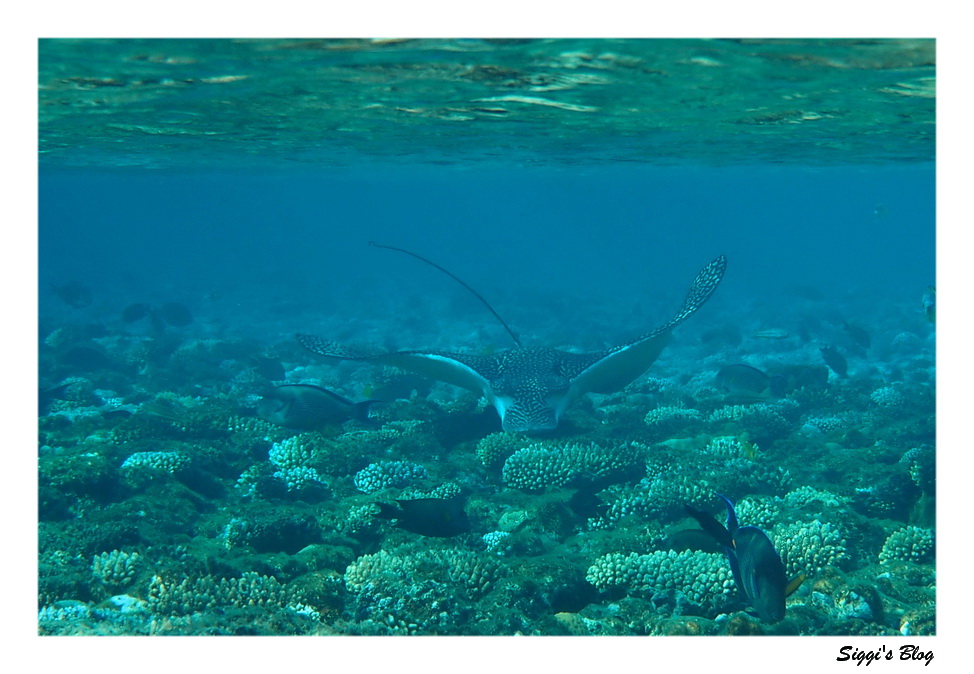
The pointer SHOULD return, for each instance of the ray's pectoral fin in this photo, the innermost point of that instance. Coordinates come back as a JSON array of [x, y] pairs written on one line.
[[466, 371], [619, 367], [611, 370]]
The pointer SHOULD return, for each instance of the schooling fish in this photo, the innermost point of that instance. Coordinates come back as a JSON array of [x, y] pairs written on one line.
[[835, 360], [757, 568], [438, 517], [531, 387], [306, 407]]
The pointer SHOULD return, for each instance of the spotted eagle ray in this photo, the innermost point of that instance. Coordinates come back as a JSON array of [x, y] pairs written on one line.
[[531, 387]]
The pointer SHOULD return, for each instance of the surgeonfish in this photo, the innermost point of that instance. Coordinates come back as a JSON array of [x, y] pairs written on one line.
[[305, 407], [437, 517], [744, 383], [835, 360], [757, 568]]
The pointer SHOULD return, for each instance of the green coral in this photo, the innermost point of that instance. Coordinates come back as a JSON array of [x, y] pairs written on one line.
[[908, 544], [495, 448], [702, 580], [809, 547], [549, 465], [193, 595]]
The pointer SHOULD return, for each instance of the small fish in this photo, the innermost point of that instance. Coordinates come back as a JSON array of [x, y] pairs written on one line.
[[305, 407], [929, 304], [743, 382], [46, 396], [858, 334], [771, 334], [269, 368], [438, 517], [73, 294], [757, 568], [788, 378], [135, 312], [835, 360]]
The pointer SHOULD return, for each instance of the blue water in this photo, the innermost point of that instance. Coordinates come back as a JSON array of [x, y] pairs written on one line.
[[860, 234]]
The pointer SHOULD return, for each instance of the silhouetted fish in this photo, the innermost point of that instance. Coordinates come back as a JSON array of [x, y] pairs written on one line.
[[439, 517], [175, 314], [585, 503], [135, 312], [46, 396], [269, 368], [788, 378], [835, 360], [858, 334], [743, 382], [306, 407], [757, 568], [73, 294]]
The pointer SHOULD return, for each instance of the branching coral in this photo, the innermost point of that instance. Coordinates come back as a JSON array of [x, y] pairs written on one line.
[[681, 579], [908, 544], [546, 465]]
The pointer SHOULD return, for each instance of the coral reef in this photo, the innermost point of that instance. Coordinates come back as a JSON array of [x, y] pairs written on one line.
[[546, 465]]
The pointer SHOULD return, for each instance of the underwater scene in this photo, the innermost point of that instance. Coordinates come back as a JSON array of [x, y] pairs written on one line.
[[587, 337]]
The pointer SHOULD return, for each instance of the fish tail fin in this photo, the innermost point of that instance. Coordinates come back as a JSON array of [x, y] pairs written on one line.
[[732, 523], [709, 524], [794, 584], [701, 289]]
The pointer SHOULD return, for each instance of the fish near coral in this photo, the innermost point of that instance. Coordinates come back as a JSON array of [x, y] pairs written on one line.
[[436, 517], [835, 360], [305, 407], [743, 383], [757, 568], [531, 387]]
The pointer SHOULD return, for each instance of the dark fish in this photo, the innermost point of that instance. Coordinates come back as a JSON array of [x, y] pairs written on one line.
[[743, 382], [46, 396], [175, 314], [135, 312], [73, 294], [757, 568], [585, 504], [788, 378], [857, 334], [439, 517], [306, 407], [269, 368], [691, 539], [835, 360]]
